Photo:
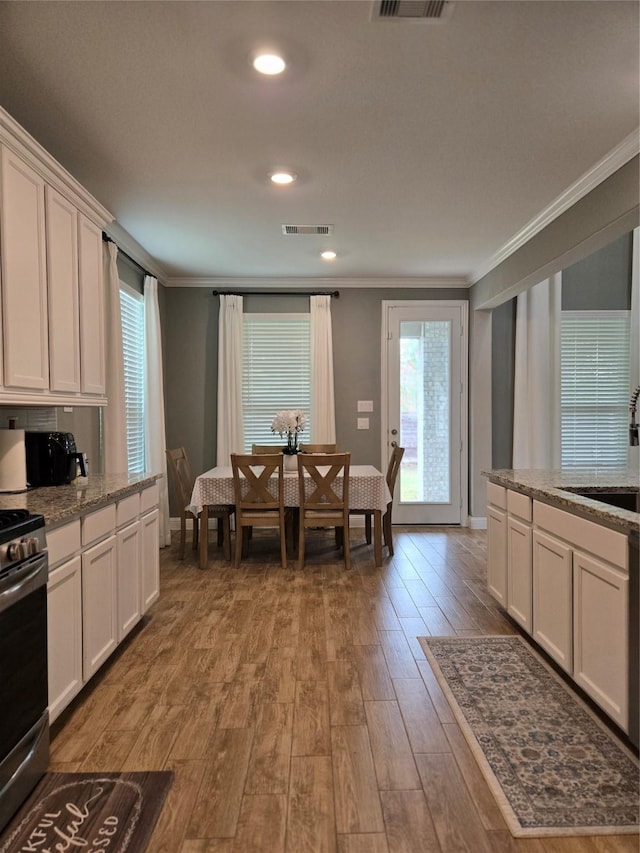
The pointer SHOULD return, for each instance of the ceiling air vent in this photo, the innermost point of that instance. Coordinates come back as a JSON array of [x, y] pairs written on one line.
[[411, 10], [292, 230]]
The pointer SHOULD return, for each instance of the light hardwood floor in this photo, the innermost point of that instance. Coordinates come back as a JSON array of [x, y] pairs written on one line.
[[296, 708]]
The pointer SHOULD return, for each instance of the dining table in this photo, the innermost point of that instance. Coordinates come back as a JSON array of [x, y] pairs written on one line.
[[368, 490]]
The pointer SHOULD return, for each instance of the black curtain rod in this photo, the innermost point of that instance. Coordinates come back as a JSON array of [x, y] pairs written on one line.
[[334, 293], [107, 239]]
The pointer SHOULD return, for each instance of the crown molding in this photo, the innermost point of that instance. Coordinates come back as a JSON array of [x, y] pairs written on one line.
[[16, 138], [275, 282], [136, 252], [603, 169]]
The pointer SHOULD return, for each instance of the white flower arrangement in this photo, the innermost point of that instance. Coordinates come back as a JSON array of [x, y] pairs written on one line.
[[289, 422]]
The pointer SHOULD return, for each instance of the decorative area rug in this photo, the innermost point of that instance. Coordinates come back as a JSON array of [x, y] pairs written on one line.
[[552, 766], [92, 812]]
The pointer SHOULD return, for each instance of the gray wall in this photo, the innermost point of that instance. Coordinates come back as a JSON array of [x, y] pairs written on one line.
[[599, 282], [602, 281], [190, 325], [502, 372]]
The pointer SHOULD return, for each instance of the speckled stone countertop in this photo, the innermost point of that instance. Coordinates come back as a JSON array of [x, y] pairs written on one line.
[[552, 487], [64, 503]]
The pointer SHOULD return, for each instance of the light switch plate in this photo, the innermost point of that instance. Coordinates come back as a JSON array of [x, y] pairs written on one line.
[[363, 423], [365, 405]]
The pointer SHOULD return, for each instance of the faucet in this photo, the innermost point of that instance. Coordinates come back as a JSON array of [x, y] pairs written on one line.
[[633, 426]]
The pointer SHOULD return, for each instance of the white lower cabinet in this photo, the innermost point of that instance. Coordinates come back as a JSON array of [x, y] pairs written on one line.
[[64, 633], [150, 556], [567, 585], [601, 634], [104, 574], [519, 572], [128, 579], [99, 607], [552, 598]]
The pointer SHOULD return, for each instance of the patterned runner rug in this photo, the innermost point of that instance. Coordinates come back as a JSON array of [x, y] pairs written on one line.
[[552, 766], [106, 812]]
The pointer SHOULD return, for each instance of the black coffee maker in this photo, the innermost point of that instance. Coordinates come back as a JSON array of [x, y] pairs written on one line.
[[51, 458]]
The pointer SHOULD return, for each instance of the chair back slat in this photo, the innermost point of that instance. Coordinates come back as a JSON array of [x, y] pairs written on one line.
[[394, 468], [259, 449], [318, 448], [326, 484], [255, 486], [181, 472]]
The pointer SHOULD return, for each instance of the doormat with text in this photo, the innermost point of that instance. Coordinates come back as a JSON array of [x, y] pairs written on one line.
[[92, 812], [553, 767]]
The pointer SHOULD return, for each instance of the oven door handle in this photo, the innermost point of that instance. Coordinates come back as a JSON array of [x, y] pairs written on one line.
[[24, 580]]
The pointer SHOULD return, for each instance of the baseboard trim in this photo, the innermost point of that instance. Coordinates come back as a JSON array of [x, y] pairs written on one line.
[[477, 523]]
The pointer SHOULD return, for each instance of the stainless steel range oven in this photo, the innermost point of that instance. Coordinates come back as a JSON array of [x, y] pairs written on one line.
[[24, 717]]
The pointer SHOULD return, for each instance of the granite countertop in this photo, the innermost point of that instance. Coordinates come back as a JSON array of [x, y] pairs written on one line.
[[552, 486], [64, 503]]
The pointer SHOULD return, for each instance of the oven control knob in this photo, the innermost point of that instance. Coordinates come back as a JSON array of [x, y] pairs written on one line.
[[16, 551], [32, 546], [23, 549]]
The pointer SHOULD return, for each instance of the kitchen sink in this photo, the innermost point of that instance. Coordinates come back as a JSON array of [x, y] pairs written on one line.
[[629, 499]]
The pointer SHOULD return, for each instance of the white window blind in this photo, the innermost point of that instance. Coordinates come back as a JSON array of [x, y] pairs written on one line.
[[594, 388], [276, 372], [132, 312]]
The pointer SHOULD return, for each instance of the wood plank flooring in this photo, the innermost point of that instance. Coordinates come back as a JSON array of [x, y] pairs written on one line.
[[296, 708]]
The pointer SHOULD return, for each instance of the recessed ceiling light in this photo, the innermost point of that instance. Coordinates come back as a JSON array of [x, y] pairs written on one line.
[[328, 256], [282, 178], [269, 63]]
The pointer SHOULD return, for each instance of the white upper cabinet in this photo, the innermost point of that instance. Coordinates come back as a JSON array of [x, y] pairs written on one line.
[[52, 297], [91, 307], [62, 276], [24, 275]]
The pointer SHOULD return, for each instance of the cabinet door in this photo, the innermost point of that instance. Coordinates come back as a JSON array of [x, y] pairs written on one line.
[[99, 606], [150, 574], [128, 584], [92, 335], [601, 634], [519, 579], [64, 631], [62, 278], [497, 554], [24, 283], [553, 598]]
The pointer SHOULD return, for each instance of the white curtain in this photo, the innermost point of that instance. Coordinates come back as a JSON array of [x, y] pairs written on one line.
[[230, 421], [114, 422], [634, 452], [536, 399], [154, 430], [323, 415]]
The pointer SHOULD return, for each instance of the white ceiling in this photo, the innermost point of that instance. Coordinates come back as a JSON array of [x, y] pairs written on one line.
[[427, 145]]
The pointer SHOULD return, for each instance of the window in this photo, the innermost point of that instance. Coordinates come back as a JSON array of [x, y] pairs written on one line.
[[276, 372], [132, 312], [594, 388]]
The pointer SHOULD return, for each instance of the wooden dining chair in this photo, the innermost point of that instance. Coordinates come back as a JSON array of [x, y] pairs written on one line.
[[265, 448], [323, 486], [183, 482], [258, 484], [392, 475], [318, 448]]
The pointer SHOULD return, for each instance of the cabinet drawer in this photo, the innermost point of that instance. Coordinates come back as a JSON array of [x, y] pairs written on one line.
[[62, 542], [519, 505], [586, 535], [128, 509], [149, 498], [497, 495], [98, 524]]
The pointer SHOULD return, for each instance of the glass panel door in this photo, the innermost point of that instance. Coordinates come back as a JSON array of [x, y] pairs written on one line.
[[424, 411]]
